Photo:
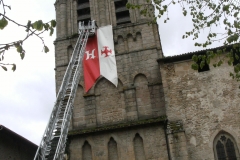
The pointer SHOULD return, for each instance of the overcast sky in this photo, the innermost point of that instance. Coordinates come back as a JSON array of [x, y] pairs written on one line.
[[27, 95]]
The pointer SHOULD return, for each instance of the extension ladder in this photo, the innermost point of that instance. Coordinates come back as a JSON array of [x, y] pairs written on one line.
[[54, 139]]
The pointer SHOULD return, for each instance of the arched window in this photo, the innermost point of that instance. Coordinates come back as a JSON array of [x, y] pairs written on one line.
[[122, 13], [86, 151], [83, 11], [225, 147], [138, 147], [112, 149]]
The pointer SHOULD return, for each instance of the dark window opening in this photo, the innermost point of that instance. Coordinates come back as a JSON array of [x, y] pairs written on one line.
[[83, 11], [220, 151], [225, 147], [230, 150], [122, 13]]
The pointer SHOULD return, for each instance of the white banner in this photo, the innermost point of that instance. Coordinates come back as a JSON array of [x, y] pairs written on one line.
[[107, 60]]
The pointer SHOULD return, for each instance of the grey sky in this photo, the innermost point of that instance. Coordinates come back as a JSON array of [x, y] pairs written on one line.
[[28, 94]]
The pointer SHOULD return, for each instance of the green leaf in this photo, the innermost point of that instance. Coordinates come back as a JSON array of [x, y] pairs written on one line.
[[208, 60], [226, 7], [46, 49], [220, 63], [46, 26], [202, 64], [19, 49], [236, 14], [195, 66], [28, 26], [51, 31], [195, 58], [128, 5], [22, 55], [14, 67], [3, 23], [236, 69], [184, 12], [237, 57], [5, 68], [53, 23], [38, 25]]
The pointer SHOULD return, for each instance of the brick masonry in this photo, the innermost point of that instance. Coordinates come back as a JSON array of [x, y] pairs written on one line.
[[137, 143]]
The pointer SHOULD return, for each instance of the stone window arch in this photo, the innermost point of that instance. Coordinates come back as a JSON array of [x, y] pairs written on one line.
[[87, 151], [225, 147], [138, 147], [112, 150]]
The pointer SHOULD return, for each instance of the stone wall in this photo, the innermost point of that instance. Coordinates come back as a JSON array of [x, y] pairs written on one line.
[[206, 103], [102, 11], [139, 94], [145, 143]]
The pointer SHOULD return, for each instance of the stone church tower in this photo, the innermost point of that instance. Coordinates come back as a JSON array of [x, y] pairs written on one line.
[[161, 109], [126, 122]]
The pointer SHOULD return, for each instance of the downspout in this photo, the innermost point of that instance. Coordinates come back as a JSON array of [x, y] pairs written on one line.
[[167, 142]]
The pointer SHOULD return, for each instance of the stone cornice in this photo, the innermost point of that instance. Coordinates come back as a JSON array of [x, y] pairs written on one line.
[[117, 126]]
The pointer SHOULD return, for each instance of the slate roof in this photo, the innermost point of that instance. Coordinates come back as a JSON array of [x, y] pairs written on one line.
[[6, 131], [187, 56]]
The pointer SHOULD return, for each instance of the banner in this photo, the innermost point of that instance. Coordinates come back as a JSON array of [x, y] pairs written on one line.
[[99, 58], [91, 63]]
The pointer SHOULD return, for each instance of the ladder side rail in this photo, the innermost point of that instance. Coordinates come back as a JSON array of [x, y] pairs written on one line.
[[65, 132], [68, 111], [55, 108], [76, 77], [73, 58], [57, 118], [77, 74], [45, 145], [60, 102]]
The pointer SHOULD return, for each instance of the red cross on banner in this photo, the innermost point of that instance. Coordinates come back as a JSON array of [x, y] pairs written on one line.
[[106, 51]]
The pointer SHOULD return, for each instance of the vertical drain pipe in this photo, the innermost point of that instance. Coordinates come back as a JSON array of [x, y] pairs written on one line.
[[167, 142]]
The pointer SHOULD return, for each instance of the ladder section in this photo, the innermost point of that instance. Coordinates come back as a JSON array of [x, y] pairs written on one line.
[[53, 143]]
